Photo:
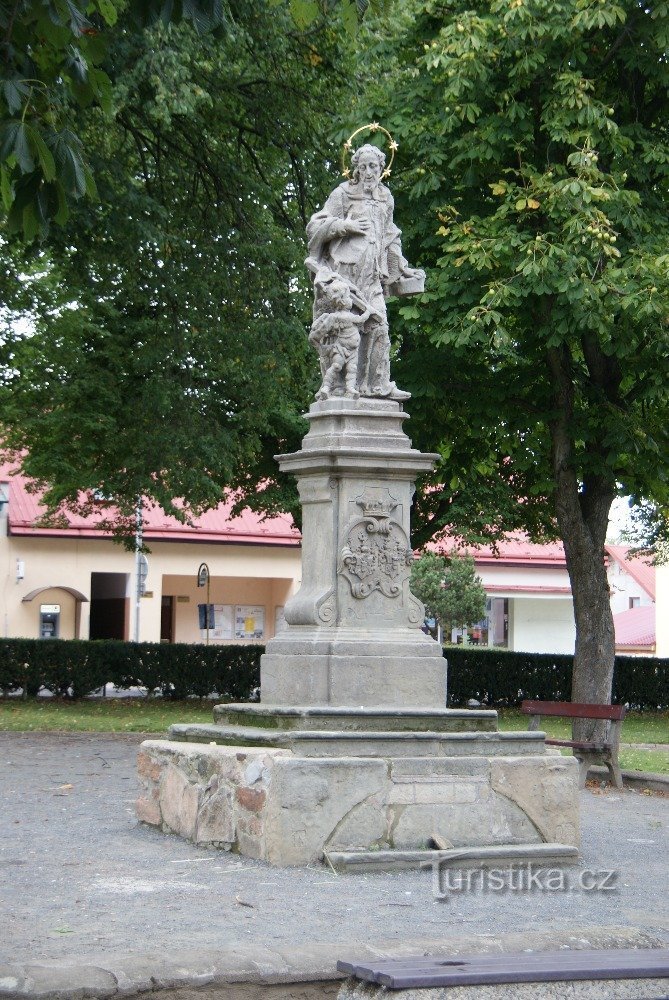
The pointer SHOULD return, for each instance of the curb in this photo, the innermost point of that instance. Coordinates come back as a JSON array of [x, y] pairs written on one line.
[[640, 781], [255, 973], [464, 857]]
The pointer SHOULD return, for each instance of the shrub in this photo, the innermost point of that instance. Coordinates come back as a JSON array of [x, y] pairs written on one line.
[[74, 667], [503, 678]]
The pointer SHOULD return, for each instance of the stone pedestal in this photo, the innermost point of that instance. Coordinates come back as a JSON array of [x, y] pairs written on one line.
[[354, 628], [352, 748]]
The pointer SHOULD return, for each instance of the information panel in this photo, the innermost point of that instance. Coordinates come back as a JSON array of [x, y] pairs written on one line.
[[221, 621], [249, 621]]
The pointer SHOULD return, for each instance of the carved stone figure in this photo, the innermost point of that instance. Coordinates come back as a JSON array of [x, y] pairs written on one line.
[[354, 237], [335, 333]]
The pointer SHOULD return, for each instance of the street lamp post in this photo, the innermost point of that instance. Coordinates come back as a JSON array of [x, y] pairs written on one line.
[[204, 581]]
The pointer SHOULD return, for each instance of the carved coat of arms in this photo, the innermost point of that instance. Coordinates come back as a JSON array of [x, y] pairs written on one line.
[[376, 554]]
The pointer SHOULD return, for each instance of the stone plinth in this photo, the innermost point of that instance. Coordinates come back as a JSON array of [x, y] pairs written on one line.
[[354, 628], [270, 803]]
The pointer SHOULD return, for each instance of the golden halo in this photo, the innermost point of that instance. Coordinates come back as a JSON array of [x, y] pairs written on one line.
[[348, 146]]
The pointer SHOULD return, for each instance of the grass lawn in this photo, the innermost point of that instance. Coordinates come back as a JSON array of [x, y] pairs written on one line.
[[103, 715], [154, 715], [638, 727]]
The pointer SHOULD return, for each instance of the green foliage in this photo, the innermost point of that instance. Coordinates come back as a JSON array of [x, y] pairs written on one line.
[[74, 668], [532, 183], [56, 59], [648, 532], [169, 359], [450, 589], [59, 57], [498, 677]]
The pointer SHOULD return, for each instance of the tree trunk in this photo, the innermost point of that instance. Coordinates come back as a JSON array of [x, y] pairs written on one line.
[[594, 654], [582, 510]]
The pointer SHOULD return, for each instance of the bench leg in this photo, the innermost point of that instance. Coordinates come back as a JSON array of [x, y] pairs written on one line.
[[584, 766], [614, 771]]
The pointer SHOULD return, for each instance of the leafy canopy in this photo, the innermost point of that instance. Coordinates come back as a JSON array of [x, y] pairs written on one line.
[[169, 358], [533, 184], [58, 56]]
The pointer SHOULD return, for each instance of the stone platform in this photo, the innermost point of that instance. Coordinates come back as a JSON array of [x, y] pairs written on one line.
[[292, 795]]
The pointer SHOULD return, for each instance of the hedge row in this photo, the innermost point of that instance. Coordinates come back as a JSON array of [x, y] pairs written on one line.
[[492, 676], [502, 678], [77, 667]]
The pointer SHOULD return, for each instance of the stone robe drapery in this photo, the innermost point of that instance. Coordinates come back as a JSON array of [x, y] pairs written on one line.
[[370, 261]]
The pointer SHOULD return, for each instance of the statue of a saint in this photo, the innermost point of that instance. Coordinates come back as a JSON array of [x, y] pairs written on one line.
[[354, 238]]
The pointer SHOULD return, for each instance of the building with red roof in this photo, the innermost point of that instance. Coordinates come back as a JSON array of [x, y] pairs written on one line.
[[632, 582], [635, 631], [529, 603], [74, 581]]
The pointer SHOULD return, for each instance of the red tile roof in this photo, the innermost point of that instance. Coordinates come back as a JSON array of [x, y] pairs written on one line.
[[216, 525], [639, 569], [636, 627], [515, 548]]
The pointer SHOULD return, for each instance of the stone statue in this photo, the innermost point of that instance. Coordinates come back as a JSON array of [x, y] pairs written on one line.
[[353, 238], [335, 333]]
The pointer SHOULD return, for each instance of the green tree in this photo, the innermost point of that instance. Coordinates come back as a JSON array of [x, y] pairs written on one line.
[[170, 356], [55, 60], [57, 57], [532, 183], [450, 590]]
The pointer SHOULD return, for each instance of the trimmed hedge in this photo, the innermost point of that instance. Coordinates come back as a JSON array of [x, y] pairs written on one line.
[[75, 667], [502, 678]]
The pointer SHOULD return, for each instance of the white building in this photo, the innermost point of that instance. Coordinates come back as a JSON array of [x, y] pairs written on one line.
[[74, 581]]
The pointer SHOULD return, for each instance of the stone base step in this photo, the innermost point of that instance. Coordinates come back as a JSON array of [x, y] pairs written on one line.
[[354, 719], [315, 743], [497, 856]]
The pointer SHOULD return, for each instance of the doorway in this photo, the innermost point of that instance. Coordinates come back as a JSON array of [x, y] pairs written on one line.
[[167, 618], [109, 606]]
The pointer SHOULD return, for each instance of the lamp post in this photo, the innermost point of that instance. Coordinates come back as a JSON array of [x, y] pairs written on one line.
[[203, 581], [141, 566]]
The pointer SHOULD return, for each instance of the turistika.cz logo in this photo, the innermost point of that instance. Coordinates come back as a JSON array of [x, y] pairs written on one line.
[[448, 881]]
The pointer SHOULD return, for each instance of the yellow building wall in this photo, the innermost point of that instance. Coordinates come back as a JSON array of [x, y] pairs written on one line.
[[256, 575]]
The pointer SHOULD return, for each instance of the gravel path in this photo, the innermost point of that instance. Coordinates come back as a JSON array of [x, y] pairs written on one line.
[[79, 876]]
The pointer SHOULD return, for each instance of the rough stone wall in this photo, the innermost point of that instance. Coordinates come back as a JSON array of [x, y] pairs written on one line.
[[270, 804], [213, 795]]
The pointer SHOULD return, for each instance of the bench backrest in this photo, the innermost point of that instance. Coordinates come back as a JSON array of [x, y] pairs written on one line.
[[573, 710], [424, 972]]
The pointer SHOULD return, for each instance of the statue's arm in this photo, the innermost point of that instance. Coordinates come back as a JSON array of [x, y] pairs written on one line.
[[326, 225]]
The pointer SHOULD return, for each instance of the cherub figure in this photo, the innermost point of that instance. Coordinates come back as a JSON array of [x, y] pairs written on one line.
[[336, 335]]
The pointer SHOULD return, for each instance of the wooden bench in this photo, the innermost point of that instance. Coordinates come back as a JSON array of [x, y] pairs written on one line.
[[603, 752], [644, 973]]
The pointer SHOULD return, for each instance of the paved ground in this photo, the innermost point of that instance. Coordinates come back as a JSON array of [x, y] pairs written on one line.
[[80, 878]]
